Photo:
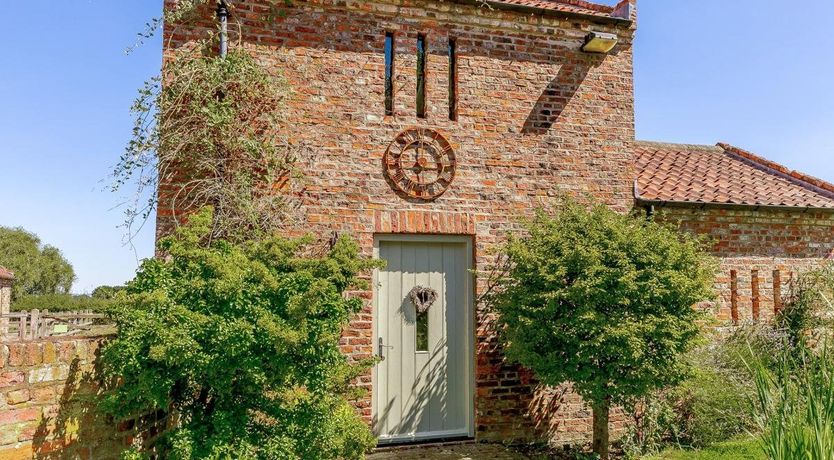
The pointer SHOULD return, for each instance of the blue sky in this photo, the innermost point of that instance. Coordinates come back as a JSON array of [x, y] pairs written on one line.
[[754, 73]]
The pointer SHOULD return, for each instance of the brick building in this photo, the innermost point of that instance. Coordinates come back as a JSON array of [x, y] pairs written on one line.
[[766, 222], [435, 126]]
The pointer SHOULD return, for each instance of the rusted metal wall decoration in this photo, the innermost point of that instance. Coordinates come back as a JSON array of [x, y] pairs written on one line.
[[420, 163]]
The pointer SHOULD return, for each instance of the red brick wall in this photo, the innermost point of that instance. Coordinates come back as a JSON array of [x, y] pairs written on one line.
[[48, 394], [537, 119], [765, 241]]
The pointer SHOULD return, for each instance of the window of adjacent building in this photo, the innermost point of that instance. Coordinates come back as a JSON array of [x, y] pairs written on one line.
[[421, 76], [389, 73], [453, 80]]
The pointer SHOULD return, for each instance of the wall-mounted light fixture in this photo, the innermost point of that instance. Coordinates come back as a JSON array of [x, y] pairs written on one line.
[[600, 42]]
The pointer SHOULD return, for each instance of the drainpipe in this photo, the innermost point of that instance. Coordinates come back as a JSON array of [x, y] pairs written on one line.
[[223, 16]]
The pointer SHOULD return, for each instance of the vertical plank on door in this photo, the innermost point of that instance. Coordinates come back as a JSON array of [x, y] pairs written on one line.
[[409, 261], [454, 308], [437, 339], [393, 338], [381, 390], [422, 359]]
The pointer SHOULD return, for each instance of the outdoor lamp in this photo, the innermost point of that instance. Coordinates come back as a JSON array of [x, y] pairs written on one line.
[[600, 42]]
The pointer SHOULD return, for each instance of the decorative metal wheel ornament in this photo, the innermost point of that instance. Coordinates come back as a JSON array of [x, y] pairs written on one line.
[[420, 163], [422, 298]]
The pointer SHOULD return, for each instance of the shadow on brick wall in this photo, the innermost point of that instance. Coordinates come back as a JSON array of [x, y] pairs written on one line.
[[559, 92], [76, 428]]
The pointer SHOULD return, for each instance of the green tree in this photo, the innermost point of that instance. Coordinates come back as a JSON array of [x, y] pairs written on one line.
[[39, 269], [241, 341], [604, 301], [106, 292]]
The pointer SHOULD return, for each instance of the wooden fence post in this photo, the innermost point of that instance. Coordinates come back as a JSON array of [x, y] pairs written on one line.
[[34, 322]]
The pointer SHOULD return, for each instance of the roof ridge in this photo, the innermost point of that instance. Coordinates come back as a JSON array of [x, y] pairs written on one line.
[[709, 147], [589, 5], [811, 182]]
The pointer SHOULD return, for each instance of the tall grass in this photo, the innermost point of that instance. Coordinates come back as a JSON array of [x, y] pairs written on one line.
[[795, 402]]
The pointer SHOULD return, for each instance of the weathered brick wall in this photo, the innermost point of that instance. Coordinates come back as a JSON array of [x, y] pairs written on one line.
[[537, 119], [759, 242], [48, 395]]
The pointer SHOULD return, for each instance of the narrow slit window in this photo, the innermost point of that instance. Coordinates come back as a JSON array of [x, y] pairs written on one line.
[[421, 76], [422, 333], [389, 74], [453, 80]]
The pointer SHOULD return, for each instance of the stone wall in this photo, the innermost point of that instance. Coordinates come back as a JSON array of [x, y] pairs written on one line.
[[770, 246], [537, 119], [48, 395]]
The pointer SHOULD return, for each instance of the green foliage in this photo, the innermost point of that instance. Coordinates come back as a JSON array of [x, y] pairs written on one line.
[[653, 424], [241, 341], [62, 302], [796, 405], [39, 269], [806, 311], [603, 300], [107, 292], [742, 449], [714, 404], [210, 136]]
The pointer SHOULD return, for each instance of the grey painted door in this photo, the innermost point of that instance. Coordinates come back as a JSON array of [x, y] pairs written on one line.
[[423, 386]]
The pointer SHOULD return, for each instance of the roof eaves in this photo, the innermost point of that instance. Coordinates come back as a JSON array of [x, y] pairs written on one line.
[[715, 205]]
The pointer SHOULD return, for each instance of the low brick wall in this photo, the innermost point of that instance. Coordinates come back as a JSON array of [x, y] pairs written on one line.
[[48, 394]]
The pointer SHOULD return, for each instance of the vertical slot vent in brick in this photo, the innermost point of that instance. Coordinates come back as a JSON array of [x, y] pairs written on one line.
[[734, 295], [777, 291], [754, 288]]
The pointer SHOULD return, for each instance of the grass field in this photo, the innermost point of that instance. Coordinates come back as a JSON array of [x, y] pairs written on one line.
[[747, 449]]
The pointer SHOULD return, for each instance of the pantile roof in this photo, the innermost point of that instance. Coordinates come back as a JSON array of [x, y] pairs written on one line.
[[722, 175], [580, 7]]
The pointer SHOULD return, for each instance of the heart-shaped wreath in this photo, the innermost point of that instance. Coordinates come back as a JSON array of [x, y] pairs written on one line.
[[422, 298]]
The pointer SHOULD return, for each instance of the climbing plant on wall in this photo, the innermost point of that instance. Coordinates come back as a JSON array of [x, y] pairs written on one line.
[[207, 132]]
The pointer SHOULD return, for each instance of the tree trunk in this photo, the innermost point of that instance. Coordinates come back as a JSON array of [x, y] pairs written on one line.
[[600, 443]]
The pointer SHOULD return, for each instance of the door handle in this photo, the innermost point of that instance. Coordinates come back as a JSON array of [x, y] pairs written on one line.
[[381, 349]]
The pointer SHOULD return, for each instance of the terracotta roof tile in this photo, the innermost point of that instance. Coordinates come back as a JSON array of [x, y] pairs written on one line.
[[583, 7], [6, 274], [723, 174]]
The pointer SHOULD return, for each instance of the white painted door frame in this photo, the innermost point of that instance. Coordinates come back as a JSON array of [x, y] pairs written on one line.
[[379, 305]]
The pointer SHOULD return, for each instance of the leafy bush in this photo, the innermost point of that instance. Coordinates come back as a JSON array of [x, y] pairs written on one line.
[[714, 404], [605, 301], [807, 308], [62, 302], [106, 292], [241, 342]]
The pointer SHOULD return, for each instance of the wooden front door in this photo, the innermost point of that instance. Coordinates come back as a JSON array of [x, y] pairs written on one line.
[[423, 387]]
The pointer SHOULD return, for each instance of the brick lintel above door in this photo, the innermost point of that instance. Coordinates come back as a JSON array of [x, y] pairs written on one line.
[[420, 221]]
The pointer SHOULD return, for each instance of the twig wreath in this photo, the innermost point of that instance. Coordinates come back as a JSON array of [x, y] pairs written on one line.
[[422, 298]]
